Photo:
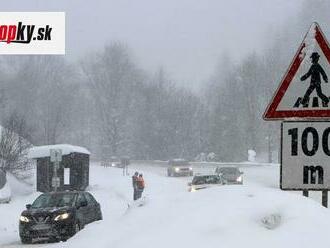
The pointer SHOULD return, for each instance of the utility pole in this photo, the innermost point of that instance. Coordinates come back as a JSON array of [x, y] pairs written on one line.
[[56, 158]]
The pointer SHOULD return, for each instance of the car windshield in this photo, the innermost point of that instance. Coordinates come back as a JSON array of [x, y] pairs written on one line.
[[228, 170], [179, 163], [211, 179], [53, 200]]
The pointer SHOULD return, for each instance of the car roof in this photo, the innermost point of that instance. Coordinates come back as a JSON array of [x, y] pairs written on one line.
[[210, 175], [227, 167]]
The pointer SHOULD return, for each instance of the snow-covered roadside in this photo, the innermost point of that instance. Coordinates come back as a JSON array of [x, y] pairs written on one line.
[[226, 216], [230, 216]]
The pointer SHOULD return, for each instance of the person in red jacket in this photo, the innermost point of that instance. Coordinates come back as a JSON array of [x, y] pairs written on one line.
[[140, 186], [134, 184]]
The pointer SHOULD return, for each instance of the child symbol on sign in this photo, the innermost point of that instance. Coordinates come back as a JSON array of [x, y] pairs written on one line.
[[315, 72]]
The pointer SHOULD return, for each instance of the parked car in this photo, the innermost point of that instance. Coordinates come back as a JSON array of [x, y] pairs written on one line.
[[232, 175], [112, 162], [179, 167], [205, 181], [58, 216]]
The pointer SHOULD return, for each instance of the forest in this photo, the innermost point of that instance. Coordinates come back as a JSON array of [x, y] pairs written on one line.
[[107, 102]]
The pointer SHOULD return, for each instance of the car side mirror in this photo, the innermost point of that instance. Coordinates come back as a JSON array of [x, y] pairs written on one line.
[[189, 184], [28, 206]]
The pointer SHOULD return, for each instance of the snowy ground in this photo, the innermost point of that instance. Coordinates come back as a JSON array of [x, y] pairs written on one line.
[[226, 216]]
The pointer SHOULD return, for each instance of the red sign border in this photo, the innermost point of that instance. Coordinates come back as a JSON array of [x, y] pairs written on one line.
[[271, 112]]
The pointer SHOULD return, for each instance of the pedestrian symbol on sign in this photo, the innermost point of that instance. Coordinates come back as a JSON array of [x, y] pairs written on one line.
[[314, 72]]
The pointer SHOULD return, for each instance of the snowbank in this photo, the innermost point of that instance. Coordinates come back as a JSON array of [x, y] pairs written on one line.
[[229, 216], [19, 187], [44, 151], [253, 215], [5, 194]]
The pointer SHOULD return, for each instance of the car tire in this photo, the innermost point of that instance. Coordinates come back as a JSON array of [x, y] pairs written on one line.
[[26, 240], [76, 227], [100, 217], [64, 239], [169, 174]]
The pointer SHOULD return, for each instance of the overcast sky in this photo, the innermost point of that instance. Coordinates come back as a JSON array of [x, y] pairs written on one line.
[[186, 37]]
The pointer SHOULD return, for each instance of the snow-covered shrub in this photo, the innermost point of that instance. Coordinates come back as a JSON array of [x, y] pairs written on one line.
[[252, 155], [271, 221], [14, 148]]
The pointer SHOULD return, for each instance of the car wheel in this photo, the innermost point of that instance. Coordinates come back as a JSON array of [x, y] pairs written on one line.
[[64, 239], [76, 227], [100, 217], [26, 240], [168, 173]]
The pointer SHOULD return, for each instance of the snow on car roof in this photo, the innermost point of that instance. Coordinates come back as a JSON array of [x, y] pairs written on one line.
[[44, 151], [178, 159]]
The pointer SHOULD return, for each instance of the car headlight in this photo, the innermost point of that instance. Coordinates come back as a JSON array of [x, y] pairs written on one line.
[[192, 189], [190, 168], [23, 218], [62, 216], [113, 164], [177, 169], [239, 179]]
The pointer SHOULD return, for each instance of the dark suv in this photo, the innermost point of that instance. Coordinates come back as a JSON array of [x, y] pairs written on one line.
[[58, 216], [231, 175]]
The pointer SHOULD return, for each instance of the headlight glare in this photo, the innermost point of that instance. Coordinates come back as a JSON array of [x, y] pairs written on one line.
[[239, 179], [177, 169], [24, 219], [62, 216]]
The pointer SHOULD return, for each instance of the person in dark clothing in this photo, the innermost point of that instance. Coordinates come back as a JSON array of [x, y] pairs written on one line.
[[140, 186], [135, 186], [315, 72]]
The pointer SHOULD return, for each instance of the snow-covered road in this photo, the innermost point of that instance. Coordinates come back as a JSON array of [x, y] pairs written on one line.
[[226, 216]]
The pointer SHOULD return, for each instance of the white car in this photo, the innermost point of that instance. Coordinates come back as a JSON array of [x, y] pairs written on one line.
[[205, 181], [179, 167]]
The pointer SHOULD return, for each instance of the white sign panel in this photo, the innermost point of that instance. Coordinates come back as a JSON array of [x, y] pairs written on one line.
[[305, 156], [66, 176], [55, 155], [56, 182], [32, 33]]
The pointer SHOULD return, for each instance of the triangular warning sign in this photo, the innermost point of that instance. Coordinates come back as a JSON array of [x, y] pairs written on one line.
[[304, 92]]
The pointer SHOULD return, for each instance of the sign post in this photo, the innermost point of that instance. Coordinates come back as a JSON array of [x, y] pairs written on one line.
[[56, 158], [302, 101], [325, 198]]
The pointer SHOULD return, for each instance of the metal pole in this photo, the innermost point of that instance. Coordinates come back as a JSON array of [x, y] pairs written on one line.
[[56, 165], [325, 198], [305, 193]]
